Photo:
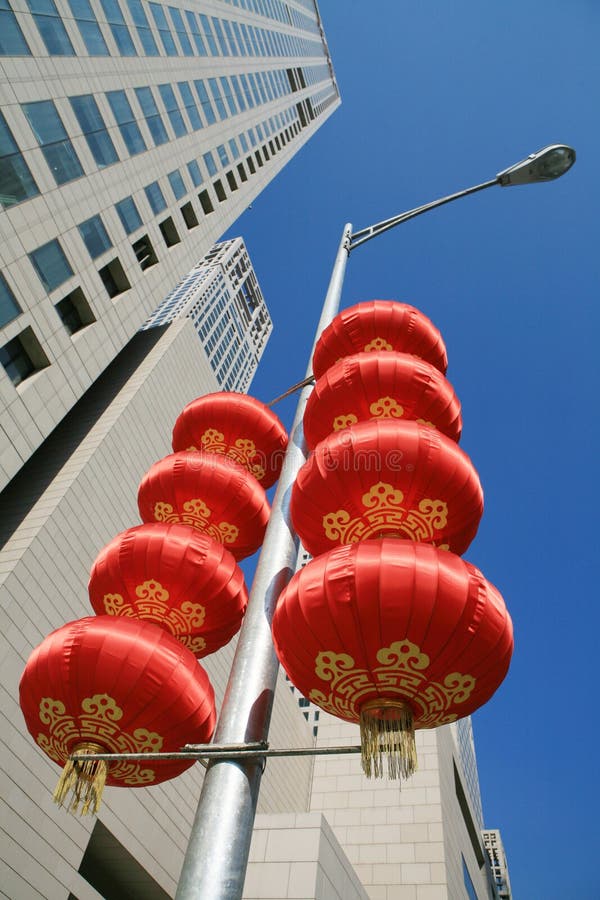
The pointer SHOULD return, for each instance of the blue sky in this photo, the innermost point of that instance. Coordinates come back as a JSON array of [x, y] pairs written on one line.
[[438, 96]]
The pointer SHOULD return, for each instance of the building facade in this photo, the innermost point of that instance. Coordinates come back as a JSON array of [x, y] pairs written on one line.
[[132, 135], [222, 297], [494, 847]]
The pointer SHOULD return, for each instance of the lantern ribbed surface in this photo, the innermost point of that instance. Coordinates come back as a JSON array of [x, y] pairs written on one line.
[[382, 478], [387, 628], [381, 385], [237, 426], [379, 325], [117, 685], [174, 576], [208, 492]]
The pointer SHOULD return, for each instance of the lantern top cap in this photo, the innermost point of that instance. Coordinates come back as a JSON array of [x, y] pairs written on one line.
[[547, 164]]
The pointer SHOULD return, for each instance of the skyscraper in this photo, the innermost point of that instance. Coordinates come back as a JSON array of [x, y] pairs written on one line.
[[222, 297], [132, 134]]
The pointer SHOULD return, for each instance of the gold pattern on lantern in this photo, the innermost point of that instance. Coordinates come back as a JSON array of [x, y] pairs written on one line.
[[344, 421], [242, 451], [386, 408], [97, 723], [197, 514], [377, 343], [153, 605], [384, 512], [401, 675], [426, 422]]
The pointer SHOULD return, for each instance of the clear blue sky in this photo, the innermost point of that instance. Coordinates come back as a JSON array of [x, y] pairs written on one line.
[[438, 96]]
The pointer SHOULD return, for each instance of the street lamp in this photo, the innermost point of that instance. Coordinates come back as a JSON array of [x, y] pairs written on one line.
[[215, 863]]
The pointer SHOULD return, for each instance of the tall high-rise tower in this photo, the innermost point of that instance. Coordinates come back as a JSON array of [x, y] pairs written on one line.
[[132, 134]]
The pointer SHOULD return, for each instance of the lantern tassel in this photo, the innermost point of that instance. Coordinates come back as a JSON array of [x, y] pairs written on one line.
[[386, 727], [83, 780]]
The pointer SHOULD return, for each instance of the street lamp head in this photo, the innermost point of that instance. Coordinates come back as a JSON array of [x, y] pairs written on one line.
[[545, 165]]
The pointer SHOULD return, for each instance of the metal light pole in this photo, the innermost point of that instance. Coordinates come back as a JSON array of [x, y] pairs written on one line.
[[216, 859]]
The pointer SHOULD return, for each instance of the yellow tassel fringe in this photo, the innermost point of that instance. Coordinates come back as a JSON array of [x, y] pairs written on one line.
[[386, 728], [84, 780]]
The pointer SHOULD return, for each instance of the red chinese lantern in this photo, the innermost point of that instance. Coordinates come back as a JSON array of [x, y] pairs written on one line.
[[176, 577], [235, 425], [379, 325], [381, 385], [382, 478], [106, 685], [210, 493], [396, 636]]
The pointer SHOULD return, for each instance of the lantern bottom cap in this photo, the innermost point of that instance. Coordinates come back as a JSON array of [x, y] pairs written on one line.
[[83, 780], [387, 730]]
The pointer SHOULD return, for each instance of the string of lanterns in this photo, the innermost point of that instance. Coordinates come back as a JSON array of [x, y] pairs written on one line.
[[387, 626], [166, 593]]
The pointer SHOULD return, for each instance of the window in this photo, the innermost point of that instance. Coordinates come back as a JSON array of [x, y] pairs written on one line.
[[88, 27], [142, 27], [238, 92], [51, 264], [119, 29], [209, 113], [231, 181], [209, 162], [182, 34], [16, 181], [223, 155], [174, 113], [190, 105], [144, 252], [168, 41], [195, 32], [242, 172], [235, 153], [128, 214], [95, 236], [153, 117], [216, 92], [9, 308], [189, 215], [12, 42], [94, 130], [23, 356], [74, 311], [220, 36], [169, 232], [124, 118], [230, 38], [228, 95], [210, 39], [195, 174], [155, 197], [50, 26], [52, 138], [114, 278], [220, 190], [177, 184], [206, 202]]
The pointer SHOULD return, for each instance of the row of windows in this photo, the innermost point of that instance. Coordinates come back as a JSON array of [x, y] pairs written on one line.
[[197, 34], [281, 12], [223, 97], [23, 355]]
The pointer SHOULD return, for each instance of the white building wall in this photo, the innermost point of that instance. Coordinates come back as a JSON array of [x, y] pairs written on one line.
[[43, 577], [405, 839]]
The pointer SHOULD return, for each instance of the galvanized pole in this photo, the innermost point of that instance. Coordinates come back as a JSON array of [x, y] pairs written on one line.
[[217, 855]]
